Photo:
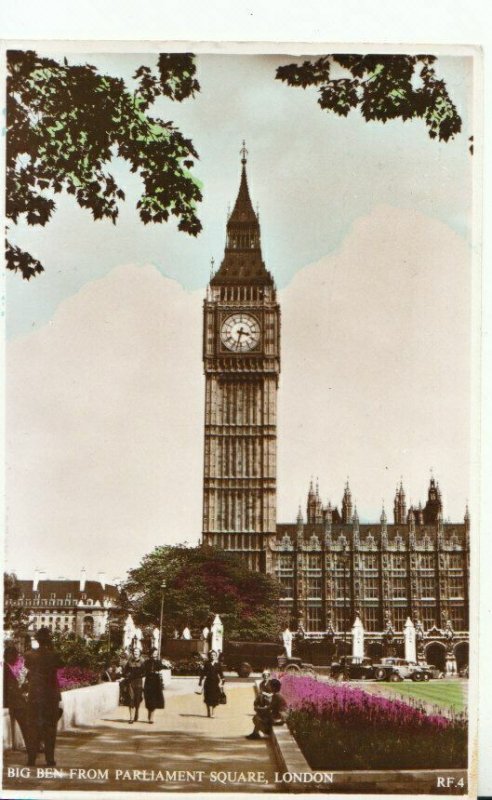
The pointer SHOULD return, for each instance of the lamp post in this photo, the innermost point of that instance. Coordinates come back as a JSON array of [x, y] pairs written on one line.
[[163, 586]]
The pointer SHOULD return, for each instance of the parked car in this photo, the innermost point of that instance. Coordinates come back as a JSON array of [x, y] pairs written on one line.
[[246, 657], [435, 672], [294, 664], [397, 669], [352, 668]]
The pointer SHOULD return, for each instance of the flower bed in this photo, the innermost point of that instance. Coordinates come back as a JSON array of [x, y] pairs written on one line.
[[68, 677], [340, 727], [75, 678]]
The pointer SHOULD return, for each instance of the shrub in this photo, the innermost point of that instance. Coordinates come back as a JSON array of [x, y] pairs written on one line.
[[188, 666], [76, 677], [344, 728], [67, 677]]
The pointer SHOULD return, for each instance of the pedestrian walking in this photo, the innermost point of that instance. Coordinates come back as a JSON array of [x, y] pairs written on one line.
[[132, 683], [153, 688], [212, 678], [14, 698], [44, 698]]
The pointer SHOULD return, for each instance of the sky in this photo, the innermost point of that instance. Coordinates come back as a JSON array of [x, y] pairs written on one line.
[[366, 229]]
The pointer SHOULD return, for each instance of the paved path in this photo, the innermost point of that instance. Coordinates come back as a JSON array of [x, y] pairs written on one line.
[[183, 751]]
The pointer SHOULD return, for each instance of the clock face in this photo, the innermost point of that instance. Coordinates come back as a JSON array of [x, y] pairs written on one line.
[[240, 333]]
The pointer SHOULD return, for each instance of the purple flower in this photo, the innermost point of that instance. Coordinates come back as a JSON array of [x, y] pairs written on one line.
[[75, 677], [355, 706]]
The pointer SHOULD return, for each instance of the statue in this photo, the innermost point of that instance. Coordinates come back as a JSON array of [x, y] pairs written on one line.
[[217, 634], [410, 641], [389, 633], [358, 638], [137, 638], [128, 632], [287, 639]]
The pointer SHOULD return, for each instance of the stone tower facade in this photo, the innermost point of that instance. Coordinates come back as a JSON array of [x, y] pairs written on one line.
[[241, 356]]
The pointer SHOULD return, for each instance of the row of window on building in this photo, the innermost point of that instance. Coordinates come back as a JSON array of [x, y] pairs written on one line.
[[372, 588], [341, 619], [371, 561], [56, 623], [52, 601]]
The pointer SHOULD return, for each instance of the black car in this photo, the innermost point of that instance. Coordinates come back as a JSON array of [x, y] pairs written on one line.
[[247, 657], [352, 668]]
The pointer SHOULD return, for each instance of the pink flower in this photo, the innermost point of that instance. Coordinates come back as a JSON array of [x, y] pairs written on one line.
[[354, 706]]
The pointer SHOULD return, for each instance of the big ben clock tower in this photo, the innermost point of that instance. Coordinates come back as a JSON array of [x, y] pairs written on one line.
[[241, 356]]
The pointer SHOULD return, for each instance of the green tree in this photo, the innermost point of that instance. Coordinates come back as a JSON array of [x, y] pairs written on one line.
[[382, 87], [15, 618], [66, 123], [78, 652], [201, 581]]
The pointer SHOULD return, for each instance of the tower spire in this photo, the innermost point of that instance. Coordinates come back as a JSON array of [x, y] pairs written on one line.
[[243, 263], [244, 154], [347, 506]]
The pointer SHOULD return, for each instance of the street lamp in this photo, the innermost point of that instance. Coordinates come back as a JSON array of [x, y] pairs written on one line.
[[163, 586]]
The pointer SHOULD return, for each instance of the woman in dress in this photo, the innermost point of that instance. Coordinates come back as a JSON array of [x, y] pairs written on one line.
[[212, 678], [133, 680], [153, 694]]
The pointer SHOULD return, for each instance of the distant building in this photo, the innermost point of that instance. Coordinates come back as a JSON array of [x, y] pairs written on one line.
[[332, 567], [79, 606]]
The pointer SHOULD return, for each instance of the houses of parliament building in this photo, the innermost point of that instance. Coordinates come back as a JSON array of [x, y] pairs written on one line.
[[330, 566]]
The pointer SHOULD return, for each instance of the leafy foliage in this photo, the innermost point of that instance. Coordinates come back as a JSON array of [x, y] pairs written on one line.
[[15, 618], [382, 87], [65, 124], [188, 666], [91, 654], [201, 581]]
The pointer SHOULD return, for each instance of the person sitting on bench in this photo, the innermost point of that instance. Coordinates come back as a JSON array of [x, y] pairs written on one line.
[[274, 712]]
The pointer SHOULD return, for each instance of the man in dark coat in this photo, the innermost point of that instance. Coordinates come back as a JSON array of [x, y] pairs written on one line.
[[13, 697], [43, 704]]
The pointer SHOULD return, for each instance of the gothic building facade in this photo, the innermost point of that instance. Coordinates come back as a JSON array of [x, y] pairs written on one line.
[[330, 566]]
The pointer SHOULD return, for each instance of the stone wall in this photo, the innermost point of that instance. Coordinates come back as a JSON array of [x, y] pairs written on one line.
[[80, 707]]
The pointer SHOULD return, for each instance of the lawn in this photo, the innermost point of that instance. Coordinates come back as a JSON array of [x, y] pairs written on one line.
[[443, 693]]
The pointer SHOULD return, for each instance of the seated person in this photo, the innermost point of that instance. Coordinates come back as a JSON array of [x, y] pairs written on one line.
[[264, 695], [274, 712]]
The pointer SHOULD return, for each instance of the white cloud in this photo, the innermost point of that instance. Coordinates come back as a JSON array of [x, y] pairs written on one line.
[[105, 404]]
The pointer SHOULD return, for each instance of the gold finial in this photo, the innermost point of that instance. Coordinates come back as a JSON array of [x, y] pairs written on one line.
[[243, 152], [212, 265]]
